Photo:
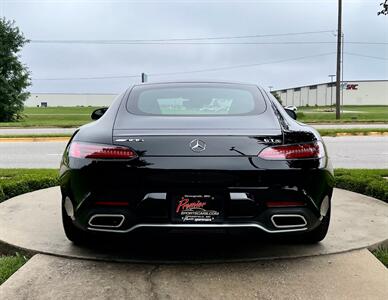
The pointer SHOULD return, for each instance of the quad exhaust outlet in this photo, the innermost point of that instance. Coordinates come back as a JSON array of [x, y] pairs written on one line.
[[288, 221], [106, 221]]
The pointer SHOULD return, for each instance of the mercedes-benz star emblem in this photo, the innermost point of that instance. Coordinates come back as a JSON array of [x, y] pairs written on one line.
[[197, 145]]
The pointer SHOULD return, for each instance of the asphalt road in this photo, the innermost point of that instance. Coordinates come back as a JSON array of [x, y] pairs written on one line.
[[346, 152], [18, 131]]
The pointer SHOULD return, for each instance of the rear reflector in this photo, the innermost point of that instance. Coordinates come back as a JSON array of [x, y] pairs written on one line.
[[295, 151], [285, 203], [111, 203], [99, 151]]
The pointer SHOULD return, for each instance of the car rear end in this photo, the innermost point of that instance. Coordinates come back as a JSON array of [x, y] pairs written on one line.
[[213, 167]]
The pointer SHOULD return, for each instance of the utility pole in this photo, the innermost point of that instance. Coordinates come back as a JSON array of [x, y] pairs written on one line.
[[342, 69], [339, 48], [331, 89]]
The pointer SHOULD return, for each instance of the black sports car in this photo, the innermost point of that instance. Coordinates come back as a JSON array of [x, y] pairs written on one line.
[[196, 155]]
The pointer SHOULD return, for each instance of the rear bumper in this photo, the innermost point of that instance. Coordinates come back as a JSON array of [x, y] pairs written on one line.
[[87, 185], [255, 226]]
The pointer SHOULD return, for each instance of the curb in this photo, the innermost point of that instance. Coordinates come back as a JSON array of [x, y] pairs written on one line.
[[370, 133], [35, 139]]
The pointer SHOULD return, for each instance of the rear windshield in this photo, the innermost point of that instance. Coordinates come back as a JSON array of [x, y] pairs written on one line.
[[195, 100]]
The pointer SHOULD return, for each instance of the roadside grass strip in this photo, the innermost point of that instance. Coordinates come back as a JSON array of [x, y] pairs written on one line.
[[10, 264], [382, 255], [66, 117], [350, 114], [353, 131]]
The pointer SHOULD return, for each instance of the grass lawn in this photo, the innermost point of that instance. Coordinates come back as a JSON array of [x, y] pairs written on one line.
[[9, 265], [376, 113], [382, 255], [53, 117], [76, 116], [352, 131]]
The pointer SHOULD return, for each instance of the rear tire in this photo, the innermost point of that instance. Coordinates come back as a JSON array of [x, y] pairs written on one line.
[[73, 233], [319, 233]]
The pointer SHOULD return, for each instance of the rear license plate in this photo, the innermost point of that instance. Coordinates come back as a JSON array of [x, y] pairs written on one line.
[[197, 208]]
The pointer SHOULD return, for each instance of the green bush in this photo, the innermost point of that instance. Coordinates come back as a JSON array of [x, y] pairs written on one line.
[[368, 182], [14, 182]]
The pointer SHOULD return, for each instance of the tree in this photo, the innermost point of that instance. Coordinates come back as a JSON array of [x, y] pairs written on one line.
[[14, 76], [385, 8]]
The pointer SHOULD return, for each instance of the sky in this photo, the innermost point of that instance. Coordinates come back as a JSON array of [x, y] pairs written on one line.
[[280, 60]]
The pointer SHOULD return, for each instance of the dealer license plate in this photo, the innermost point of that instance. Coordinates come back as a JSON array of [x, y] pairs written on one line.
[[197, 208]]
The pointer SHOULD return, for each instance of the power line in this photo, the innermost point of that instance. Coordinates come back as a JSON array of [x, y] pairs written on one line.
[[178, 39], [203, 70], [117, 42], [242, 66], [193, 71], [367, 56], [87, 78]]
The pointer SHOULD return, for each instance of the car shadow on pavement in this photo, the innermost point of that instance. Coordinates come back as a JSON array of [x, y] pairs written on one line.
[[194, 246]]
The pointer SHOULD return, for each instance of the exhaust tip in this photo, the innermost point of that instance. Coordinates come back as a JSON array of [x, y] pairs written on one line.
[[106, 221], [288, 221]]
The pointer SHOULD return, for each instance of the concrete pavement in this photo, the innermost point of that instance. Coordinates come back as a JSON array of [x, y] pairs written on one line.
[[357, 222], [345, 152], [354, 275]]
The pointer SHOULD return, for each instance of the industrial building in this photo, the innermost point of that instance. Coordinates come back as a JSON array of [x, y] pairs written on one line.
[[64, 99], [361, 92]]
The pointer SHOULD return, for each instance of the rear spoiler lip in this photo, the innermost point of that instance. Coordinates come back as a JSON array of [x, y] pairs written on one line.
[[196, 132]]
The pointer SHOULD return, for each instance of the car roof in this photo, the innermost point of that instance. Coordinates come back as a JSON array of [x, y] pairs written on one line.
[[195, 82]]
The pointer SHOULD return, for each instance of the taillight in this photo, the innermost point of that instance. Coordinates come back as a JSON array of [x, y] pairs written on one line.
[[99, 151], [294, 151]]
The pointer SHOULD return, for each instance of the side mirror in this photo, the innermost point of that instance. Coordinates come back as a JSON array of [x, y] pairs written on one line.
[[98, 113], [291, 113]]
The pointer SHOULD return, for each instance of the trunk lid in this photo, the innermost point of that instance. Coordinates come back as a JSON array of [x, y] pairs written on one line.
[[197, 136]]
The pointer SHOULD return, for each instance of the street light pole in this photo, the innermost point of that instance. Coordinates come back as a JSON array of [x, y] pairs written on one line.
[[144, 77], [338, 83]]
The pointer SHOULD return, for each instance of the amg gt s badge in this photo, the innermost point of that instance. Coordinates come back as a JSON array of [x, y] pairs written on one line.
[[130, 140], [197, 145]]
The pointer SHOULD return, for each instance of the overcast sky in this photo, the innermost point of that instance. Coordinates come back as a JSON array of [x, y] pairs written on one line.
[[144, 20]]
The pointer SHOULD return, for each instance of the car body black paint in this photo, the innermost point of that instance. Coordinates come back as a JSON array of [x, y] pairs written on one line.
[[166, 165]]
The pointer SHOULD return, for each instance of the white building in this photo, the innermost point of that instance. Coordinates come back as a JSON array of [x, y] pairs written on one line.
[[362, 92], [62, 99]]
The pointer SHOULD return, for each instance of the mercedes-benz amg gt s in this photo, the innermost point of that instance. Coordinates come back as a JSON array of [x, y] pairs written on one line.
[[197, 155]]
